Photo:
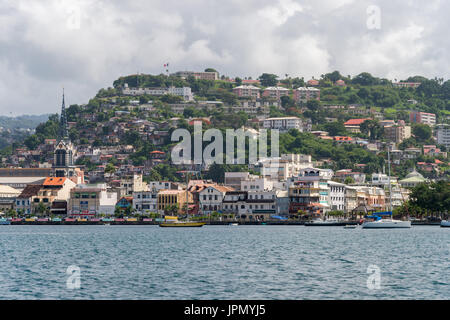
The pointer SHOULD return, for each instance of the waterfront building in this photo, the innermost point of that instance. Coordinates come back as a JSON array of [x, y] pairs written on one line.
[[211, 198], [351, 198], [336, 196], [309, 191], [146, 201], [250, 205], [19, 178], [7, 197], [92, 200], [174, 201], [24, 202], [53, 191]]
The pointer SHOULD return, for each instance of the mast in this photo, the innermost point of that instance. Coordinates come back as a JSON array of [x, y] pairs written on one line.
[[187, 193], [389, 179]]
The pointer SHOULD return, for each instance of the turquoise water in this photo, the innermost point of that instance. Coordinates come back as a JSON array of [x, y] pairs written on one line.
[[223, 262]]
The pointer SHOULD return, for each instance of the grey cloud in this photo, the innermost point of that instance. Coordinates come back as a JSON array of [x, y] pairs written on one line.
[[39, 53]]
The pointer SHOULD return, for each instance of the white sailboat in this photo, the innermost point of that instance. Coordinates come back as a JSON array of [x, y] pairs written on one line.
[[445, 224], [386, 223]]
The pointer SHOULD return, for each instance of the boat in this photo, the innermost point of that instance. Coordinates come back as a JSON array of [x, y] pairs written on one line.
[[56, 220], [234, 224], [325, 222], [445, 224], [173, 222], [379, 222], [350, 226], [182, 224], [4, 222]]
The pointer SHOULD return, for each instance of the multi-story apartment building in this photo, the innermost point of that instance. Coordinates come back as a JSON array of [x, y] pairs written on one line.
[[247, 91], [24, 202], [397, 133], [309, 191], [351, 198], [211, 198], [250, 205], [414, 85], [184, 92], [422, 117], [336, 196], [304, 94], [146, 201], [92, 200], [168, 199], [443, 135], [212, 76], [284, 123], [275, 92], [53, 190]]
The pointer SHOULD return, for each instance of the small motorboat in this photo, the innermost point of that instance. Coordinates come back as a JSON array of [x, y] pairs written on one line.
[[445, 224], [234, 224], [350, 226]]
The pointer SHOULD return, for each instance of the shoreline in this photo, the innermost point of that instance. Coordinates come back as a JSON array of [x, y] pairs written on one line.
[[213, 223]]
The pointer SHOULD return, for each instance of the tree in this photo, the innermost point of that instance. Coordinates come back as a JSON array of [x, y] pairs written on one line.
[[287, 101], [422, 132], [335, 128], [268, 80], [210, 70], [364, 79], [372, 128], [349, 180], [313, 105], [238, 81]]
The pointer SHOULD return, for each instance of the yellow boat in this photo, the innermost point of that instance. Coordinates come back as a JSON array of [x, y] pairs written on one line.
[[172, 222]]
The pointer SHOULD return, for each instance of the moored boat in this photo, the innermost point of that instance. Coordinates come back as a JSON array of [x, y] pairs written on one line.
[[385, 223], [445, 224], [172, 222], [4, 222]]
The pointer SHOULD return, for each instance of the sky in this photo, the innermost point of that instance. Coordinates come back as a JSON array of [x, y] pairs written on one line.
[[84, 45]]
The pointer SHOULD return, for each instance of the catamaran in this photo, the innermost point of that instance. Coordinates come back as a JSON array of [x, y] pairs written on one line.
[[386, 223]]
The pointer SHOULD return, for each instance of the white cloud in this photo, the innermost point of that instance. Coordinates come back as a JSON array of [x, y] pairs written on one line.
[[42, 49]]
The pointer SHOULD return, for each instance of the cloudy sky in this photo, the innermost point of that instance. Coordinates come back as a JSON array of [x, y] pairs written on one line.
[[85, 45]]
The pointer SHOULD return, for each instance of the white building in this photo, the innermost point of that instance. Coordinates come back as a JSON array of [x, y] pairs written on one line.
[[284, 123], [336, 196], [211, 197], [184, 92], [304, 94], [146, 201], [443, 135]]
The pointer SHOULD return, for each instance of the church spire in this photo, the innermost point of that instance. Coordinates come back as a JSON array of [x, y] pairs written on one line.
[[63, 131]]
